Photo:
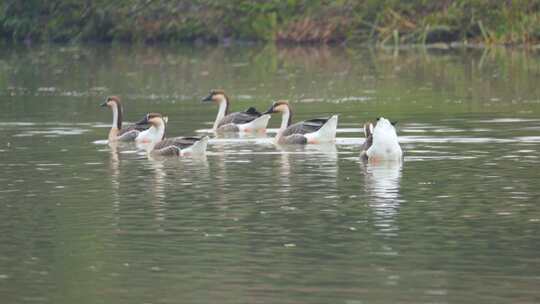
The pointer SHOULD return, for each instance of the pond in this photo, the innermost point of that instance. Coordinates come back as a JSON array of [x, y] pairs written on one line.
[[251, 222]]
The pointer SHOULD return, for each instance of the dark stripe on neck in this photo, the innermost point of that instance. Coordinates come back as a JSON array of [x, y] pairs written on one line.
[[164, 130], [226, 104], [119, 110], [290, 116]]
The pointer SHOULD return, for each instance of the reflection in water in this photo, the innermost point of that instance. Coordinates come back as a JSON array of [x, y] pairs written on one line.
[[326, 150], [302, 163], [471, 216], [114, 167], [285, 171], [144, 146], [158, 191], [382, 182]]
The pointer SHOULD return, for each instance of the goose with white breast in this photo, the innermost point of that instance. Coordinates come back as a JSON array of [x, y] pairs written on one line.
[[313, 131], [249, 120], [175, 146]]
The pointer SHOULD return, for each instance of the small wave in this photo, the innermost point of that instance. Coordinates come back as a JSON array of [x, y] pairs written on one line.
[[437, 139], [53, 132], [100, 142], [445, 157], [17, 124], [507, 120], [530, 139]]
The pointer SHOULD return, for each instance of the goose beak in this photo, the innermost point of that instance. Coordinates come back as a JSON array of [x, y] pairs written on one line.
[[207, 98], [103, 104], [143, 121], [270, 110]]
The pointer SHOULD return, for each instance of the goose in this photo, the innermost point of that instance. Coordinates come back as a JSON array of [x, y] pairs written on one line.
[[381, 142], [175, 146], [117, 133], [248, 121], [155, 133], [313, 131]]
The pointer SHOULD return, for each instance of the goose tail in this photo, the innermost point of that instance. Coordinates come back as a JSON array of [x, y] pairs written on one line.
[[327, 133], [257, 125], [197, 149]]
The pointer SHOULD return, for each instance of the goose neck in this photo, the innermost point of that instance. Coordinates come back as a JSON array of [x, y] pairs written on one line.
[[223, 110], [117, 116], [286, 118], [157, 131]]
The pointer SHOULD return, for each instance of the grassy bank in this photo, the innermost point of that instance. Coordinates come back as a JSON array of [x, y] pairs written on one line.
[[283, 21]]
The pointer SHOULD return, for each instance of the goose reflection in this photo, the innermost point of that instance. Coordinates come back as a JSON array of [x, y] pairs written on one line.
[[240, 135], [173, 172], [114, 167], [315, 153], [299, 157], [159, 196], [382, 182], [323, 151]]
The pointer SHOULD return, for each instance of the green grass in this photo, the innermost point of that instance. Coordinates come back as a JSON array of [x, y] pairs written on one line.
[[507, 22]]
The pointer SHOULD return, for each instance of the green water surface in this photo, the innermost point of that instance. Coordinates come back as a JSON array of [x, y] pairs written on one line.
[[457, 222]]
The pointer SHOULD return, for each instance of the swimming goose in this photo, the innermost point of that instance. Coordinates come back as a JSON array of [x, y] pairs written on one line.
[[175, 146], [381, 142], [313, 131], [155, 133], [117, 133], [248, 121]]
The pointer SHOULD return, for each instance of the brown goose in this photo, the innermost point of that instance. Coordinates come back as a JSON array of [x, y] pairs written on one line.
[[313, 131], [248, 121], [117, 133]]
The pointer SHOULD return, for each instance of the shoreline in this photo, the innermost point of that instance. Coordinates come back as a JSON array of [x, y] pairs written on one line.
[[442, 46], [385, 22]]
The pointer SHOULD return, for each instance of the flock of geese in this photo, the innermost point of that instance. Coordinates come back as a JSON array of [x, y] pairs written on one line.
[[381, 142]]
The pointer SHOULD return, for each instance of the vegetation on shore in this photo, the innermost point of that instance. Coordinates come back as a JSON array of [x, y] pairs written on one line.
[[508, 22]]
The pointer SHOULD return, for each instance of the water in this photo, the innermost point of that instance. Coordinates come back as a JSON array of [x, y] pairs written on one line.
[[458, 222]]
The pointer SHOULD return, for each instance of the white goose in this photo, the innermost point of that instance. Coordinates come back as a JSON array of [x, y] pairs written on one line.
[[248, 121], [313, 131], [117, 133], [381, 142], [157, 144]]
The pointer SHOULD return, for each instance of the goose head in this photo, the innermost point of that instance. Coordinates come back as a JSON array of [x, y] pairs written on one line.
[[217, 96], [112, 101], [283, 107], [280, 106], [153, 119]]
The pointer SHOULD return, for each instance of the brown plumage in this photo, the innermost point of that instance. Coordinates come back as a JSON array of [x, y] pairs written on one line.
[[119, 108], [304, 127], [240, 117], [229, 121], [368, 132], [123, 134], [294, 133]]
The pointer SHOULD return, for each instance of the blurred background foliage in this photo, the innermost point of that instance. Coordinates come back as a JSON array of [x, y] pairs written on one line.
[[284, 21]]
